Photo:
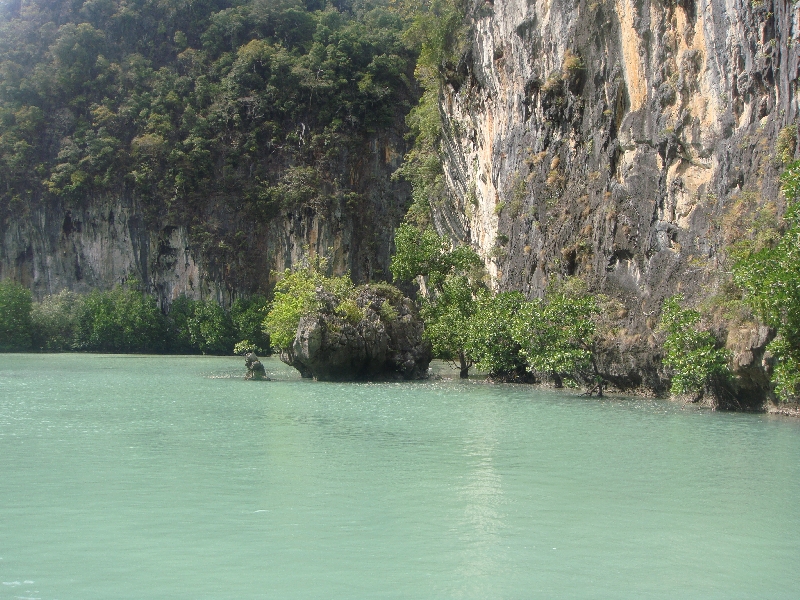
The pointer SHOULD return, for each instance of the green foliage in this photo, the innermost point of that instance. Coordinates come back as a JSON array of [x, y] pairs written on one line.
[[558, 335], [436, 29], [453, 278], [388, 312], [786, 144], [126, 320], [697, 363], [211, 329], [448, 320], [15, 317], [387, 290], [350, 311], [770, 278], [121, 320], [418, 252], [178, 333], [247, 315], [253, 103], [425, 253], [244, 347], [54, 321], [295, 297], [491, 341]]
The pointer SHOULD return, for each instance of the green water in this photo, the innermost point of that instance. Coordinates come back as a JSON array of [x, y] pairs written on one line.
[[171, 477]]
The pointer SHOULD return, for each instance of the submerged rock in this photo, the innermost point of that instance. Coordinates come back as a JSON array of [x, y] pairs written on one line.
[[379, 337], [255, 370]]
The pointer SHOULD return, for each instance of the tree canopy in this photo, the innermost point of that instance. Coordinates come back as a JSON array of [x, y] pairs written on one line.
[[253, 103]]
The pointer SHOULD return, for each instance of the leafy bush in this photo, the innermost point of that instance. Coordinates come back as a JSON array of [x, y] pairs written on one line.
[[211, 329], [491, 342], [697, 364], [121, 320], [180, 338], [350, 311], [248, 316], [244, 347], [770, 278], [295, 297], [388, 312], [126, 320], [15, 317], [453, 277], [422, 252], [558, 337], [448, 321], [55, 321]]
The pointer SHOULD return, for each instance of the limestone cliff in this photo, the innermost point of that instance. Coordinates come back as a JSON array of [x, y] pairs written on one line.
[[609, 139], [99, 242]]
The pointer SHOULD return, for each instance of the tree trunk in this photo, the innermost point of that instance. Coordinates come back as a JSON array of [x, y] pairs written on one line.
[[557, 381], [465, 365]]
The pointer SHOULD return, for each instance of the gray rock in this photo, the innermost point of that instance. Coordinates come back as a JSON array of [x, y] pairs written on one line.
[[623, 167], [383, 344], [255, 370]]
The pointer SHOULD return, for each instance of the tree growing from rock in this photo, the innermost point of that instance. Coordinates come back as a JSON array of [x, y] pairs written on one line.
[[770, 278], [295, 297]]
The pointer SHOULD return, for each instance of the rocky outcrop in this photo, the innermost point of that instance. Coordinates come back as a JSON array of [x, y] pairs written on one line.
[[379, 337], [255, 370], [616, 141]]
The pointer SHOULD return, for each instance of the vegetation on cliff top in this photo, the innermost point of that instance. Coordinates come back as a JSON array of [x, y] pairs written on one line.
[[239, 108]]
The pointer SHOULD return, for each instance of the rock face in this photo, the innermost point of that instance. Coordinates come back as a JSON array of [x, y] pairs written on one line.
[[255, 370], [617, 141], [99, 242], [385, 343]]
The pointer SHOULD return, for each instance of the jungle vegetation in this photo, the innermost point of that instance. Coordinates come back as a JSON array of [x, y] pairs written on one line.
[[204, 112]]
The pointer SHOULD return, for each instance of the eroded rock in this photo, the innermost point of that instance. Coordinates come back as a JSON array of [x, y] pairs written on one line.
[[255, 370], [384, 341]]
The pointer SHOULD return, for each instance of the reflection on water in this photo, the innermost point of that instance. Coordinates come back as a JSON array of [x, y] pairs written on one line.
[[174, 477], [482, 492]]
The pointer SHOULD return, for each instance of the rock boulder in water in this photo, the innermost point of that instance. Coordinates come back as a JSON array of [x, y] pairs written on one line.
[[383, 341], [255, 370]]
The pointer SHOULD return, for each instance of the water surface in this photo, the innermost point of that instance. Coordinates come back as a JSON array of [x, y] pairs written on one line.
[[155, 477]]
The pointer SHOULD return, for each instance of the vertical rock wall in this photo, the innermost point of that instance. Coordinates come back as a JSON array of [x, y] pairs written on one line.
[[99, 242], [609, 138]]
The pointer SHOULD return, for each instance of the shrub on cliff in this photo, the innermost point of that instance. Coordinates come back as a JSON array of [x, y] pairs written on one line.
[[770, 278], [697, 363], [15, 317], [295, 297]]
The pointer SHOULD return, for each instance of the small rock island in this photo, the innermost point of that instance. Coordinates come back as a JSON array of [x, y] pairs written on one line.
[[376, 333], [255, 370]]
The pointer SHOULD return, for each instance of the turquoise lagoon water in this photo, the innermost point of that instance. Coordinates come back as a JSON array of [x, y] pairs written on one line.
[[172, 477]]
